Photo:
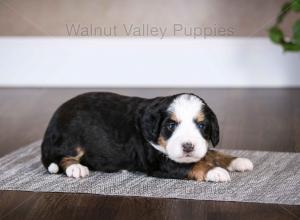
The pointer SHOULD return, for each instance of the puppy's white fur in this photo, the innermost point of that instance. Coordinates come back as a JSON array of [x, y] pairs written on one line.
[[159, 148], [240, 164], [77, 170], [217, 174]]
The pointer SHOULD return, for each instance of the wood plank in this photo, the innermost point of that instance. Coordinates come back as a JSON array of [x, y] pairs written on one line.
[[26, 205]]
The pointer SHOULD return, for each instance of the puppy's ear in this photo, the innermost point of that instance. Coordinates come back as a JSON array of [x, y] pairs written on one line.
[[214, 126], [150, 124], [215, 133], [151, 118]]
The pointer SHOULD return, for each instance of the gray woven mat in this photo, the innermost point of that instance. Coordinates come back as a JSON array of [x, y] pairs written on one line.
[[275, 179]]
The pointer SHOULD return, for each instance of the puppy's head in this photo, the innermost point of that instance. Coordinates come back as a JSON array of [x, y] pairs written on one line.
[[181, 126]]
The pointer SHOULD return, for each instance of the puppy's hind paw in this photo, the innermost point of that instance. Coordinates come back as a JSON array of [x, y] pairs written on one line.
[[240, 164], [77, 171]]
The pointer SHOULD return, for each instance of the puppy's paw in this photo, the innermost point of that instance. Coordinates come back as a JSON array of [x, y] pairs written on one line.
[[217, 174], [240, 164], [77, 170]]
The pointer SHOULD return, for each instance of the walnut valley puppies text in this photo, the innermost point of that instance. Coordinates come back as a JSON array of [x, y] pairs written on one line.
[[147, 30]]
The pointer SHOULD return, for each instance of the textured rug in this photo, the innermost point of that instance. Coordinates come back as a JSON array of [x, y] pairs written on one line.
[[275, 179]]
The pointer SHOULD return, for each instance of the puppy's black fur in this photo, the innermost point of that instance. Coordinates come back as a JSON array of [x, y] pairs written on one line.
[[114, 132]]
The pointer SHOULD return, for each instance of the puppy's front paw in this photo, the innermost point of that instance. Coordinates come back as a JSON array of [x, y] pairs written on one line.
[[240, 164], [77, 170], [217, 174]]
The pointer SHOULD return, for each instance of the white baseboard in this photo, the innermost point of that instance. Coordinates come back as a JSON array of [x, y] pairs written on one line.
[[95, 62]]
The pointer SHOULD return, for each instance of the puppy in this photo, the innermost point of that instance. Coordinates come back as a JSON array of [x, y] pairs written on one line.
[[167, 137]]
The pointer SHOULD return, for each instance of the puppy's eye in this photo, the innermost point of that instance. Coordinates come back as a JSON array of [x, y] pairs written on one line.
[[171, 126], [200, 125]]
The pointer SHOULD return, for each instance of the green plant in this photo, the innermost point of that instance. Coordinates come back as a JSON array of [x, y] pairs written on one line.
[[276, 34]]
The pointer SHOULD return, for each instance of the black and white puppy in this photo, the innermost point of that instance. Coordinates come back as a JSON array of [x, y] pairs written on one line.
[[166, 137]]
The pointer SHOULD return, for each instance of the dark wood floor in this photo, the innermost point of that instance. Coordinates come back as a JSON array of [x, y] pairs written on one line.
[[256, 119]]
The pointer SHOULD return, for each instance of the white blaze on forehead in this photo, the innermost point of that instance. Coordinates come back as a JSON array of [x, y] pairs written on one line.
[[186, 107]]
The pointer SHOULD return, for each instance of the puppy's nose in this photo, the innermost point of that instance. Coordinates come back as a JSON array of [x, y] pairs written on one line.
[[187, 147]]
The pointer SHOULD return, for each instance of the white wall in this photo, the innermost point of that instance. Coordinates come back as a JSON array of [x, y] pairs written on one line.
[[94, 62]]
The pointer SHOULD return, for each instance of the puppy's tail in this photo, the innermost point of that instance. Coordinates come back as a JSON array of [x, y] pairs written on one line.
[[50, 151]]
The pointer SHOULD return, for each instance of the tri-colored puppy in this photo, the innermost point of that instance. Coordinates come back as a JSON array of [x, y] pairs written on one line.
[[166, 137]]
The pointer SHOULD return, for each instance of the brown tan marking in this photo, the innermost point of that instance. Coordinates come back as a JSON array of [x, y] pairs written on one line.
[[212, 159], [67, 161], [174, 118], [219, 159], [200, 117], [199, 170], [162, 142]]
